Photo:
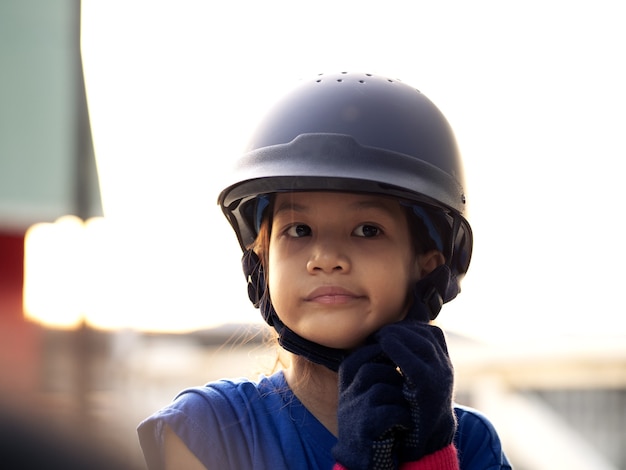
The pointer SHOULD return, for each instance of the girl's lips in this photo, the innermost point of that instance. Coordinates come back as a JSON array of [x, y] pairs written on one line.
[[331, 295]]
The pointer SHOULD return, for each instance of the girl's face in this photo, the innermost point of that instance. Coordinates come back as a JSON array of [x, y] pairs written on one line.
[[341, 265]]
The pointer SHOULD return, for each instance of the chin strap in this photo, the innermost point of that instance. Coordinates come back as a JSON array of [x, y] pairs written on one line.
[[331, 358], [431, 292], [429, 295]]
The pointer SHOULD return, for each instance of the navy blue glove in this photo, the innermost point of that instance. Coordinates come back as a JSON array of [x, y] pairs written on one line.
[[419, 351], [373, 414]]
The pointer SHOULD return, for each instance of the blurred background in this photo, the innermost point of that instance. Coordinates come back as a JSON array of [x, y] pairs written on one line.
[[120, 281]]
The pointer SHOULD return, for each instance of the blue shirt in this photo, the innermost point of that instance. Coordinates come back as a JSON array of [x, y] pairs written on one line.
[[243, 424]]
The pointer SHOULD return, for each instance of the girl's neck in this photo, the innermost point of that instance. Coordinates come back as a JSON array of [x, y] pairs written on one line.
[[317, 388]]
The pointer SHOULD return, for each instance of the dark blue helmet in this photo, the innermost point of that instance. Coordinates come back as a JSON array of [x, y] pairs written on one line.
[[356, 132]]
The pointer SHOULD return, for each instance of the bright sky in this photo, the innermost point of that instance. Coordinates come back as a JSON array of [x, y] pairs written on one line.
[[534, 90]]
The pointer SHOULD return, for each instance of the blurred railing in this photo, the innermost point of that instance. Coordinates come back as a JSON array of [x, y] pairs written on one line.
[[554, 406]]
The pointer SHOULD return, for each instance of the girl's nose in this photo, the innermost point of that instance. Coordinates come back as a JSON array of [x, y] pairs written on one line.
[[328, 257]]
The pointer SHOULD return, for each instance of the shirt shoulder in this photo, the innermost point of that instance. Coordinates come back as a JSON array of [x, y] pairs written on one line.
[[477, 441], [240, 424], [214, 421]]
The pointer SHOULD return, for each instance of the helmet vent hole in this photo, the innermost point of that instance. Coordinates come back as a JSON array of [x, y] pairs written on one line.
[[339, 80]]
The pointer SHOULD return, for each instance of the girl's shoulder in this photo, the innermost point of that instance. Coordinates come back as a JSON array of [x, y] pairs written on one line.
[[235, 423], [227, 402]]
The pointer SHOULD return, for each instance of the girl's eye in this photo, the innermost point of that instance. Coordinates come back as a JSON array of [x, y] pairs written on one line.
[[367, 231], [298, 231]]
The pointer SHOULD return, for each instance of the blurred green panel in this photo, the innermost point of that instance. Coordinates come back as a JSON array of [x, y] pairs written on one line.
[[47, 167]]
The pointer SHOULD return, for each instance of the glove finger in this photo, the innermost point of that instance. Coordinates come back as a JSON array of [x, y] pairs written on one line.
[[367, 354], [372, 375], [416, 349]]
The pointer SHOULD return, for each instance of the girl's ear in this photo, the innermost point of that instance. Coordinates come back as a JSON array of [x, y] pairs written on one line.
[[428, 261]]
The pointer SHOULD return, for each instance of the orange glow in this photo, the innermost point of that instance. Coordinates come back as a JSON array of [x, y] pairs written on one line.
[[53, 268], [114, 274]]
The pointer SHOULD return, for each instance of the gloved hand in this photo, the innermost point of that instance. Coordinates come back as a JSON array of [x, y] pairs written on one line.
[[373, 413], [419, 351]]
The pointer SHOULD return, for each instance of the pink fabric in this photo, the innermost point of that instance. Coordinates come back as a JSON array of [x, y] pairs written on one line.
[[444, 459]]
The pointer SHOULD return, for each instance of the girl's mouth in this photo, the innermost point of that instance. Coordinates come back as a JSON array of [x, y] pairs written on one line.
[[331, 295]]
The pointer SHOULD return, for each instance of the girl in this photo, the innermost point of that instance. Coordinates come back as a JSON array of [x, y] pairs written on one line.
[[348, 205]]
